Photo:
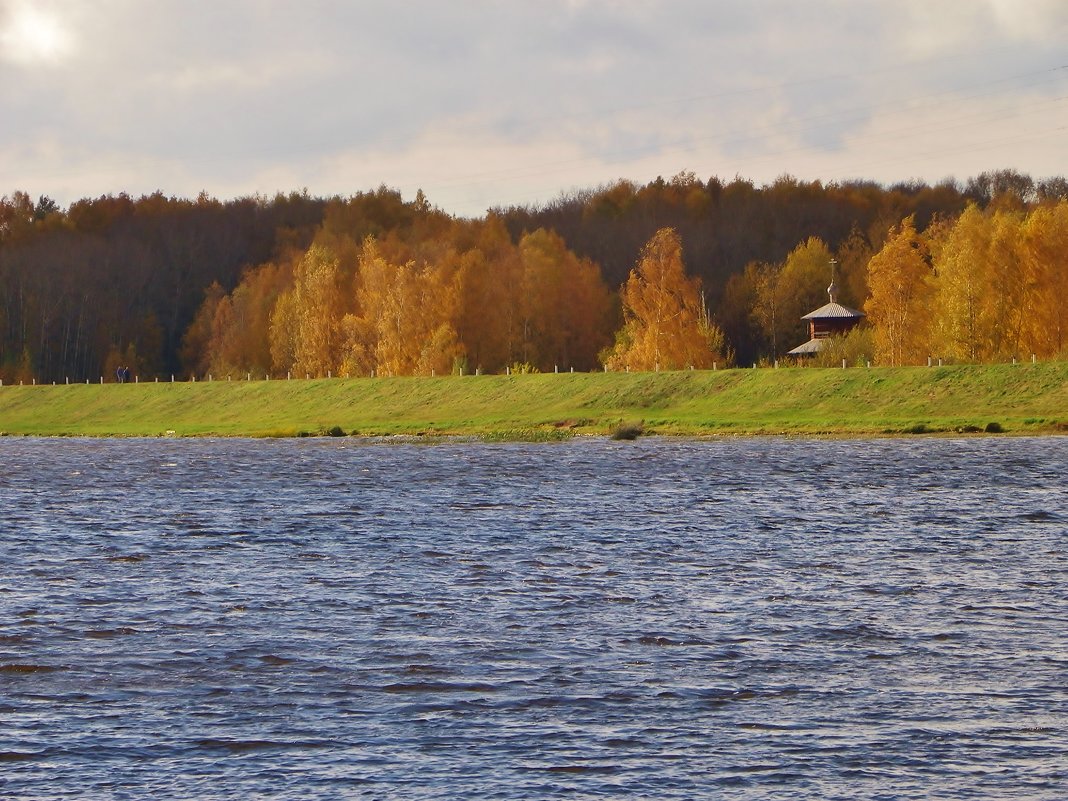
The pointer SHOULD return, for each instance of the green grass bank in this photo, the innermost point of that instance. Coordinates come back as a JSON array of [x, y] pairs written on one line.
[[1020, 399]]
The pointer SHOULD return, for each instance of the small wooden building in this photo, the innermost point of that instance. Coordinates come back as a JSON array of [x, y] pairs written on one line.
[[829, 320]]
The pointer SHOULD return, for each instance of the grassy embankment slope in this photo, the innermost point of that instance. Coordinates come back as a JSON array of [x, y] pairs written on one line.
[[1021, 398]]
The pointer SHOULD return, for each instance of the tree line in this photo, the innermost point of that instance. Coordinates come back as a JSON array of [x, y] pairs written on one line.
[[985, 287], [372, 283], [116, 280], [435, 297]]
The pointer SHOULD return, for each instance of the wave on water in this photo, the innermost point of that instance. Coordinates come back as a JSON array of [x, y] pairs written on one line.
[[677, 619]]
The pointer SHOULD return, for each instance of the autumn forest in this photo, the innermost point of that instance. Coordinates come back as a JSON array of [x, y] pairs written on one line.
[[673, 274]]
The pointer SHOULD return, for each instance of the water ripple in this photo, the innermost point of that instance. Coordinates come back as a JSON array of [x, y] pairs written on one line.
[[590, 619]]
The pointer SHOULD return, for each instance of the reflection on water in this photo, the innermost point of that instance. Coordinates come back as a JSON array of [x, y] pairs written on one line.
[[660, 619]]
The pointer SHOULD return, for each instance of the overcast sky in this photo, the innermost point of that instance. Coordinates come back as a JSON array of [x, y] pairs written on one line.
[[486, 104]]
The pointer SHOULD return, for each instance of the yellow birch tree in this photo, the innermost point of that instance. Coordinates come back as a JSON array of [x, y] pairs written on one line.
[[899, 307], [1044, 252], [960, 268], [306, 324], [1007, 293], [408, 312]]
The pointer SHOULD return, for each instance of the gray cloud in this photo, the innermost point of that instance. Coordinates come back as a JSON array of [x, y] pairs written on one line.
[[486, 103]]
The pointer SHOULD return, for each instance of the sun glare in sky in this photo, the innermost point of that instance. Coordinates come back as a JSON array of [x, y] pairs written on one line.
[[30, 36]]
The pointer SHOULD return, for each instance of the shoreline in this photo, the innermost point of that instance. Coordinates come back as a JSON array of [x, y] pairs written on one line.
[[442, 441]]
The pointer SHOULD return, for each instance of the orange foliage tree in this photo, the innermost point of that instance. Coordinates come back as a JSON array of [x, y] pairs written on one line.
[[231, 334], [489, 285], [665, 324], [564, 304]]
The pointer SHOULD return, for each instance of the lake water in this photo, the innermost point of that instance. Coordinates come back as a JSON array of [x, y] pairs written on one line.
[[750, 618]]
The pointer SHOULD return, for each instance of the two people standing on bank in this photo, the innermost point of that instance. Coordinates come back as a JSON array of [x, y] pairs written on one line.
[[122, 375]]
